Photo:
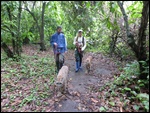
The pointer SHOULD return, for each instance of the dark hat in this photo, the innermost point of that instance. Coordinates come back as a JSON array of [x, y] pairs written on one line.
[[58, 27]]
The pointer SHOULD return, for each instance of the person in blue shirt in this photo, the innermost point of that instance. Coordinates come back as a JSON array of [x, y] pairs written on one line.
[[59, 44]]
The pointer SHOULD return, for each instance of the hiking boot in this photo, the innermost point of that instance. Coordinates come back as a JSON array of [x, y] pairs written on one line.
[[80, 68], [77, 70]]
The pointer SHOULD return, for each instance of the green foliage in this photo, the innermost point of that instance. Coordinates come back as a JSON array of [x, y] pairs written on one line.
[[112, 103], [32, 66], [146, 67], [31, 76], [122, 84], [134, 14], [113, 93], [28, 99], [128, 73], [70, 39], [136, 107], [97, 21], [144, 98], [126, 89], [6, 22], [102, 109]]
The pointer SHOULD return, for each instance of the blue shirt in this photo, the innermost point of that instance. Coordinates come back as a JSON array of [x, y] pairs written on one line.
[[60, 39]]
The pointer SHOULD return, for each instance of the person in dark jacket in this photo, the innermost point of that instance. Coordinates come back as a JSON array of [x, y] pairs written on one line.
[[59, 44]]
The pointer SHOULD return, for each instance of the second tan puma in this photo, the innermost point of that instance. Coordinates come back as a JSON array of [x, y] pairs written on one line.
[[88, 63]]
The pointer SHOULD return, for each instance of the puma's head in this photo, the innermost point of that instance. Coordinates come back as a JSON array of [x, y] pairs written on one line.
[[58, 85]]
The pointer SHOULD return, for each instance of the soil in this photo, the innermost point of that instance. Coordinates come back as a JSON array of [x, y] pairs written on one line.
[[80, 83]]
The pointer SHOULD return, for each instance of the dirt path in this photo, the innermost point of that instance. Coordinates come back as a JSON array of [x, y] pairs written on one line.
[[82, 87]]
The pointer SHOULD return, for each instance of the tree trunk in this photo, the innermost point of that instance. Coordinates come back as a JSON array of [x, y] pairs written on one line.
[[113, 42], [18, 42], [42, 29], [26, 40], [142, 56], [140, 47], [12, 34], [13, 44], [6, 49], [130, 37]]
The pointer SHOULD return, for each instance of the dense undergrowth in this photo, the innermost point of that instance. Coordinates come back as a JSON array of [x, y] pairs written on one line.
[[133, 93]]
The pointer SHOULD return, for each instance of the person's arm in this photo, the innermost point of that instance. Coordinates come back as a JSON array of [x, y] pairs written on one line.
[[52, 41], [84, 44]]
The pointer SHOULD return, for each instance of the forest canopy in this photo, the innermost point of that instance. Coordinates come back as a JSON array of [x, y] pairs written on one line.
[[118, 29]]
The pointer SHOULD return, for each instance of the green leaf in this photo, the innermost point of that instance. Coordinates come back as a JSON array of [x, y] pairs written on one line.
[[146, 105], [127, 89], [100, 6], [109, 24], [136, 15], [134, 93], [88, 4], [113, 93], [112, 103], [141, 85], [143, 62], [143, 96], [136, 107], [130, 8], [102, 109]]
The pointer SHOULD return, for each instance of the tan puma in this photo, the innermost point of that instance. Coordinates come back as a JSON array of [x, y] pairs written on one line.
[[88, 62], [61, 80]]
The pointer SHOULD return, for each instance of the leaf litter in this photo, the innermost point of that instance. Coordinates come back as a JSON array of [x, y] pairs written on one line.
[[31, 90]]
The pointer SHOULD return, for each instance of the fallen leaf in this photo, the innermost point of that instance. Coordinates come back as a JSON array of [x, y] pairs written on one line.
[[60, 105], [77, 100], [48, 110], [5, 101], [83, 109], [56, 100], [78, 94], [70, 79], [51, 102], [16, 102], [95, 101], [79, 106], [121, 109]]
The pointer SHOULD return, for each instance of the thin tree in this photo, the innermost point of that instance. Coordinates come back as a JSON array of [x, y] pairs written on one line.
[[40, 28], [139, 48]]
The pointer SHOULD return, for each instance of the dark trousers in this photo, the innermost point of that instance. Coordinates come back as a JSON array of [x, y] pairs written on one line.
[[59, 59], [78, 56]]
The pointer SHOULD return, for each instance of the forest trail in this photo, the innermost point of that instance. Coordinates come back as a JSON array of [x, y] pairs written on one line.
[[83, 88]]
